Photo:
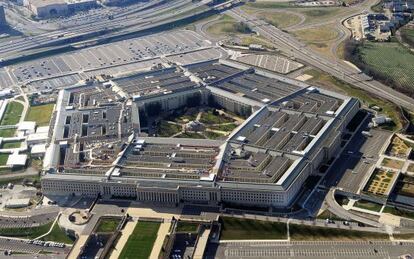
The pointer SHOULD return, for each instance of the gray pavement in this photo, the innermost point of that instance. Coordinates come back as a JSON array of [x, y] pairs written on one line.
[[309, 249]]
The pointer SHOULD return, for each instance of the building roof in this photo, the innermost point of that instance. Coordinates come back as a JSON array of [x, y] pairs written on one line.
[[38, 149], [27, 126], [18, 202], [43, 3], [16, 159], [43, 129]]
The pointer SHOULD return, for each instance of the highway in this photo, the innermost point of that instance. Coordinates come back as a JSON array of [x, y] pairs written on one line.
[[292, 46], [146, 16]]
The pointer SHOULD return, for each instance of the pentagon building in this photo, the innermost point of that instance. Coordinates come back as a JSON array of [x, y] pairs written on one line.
[[97, 146]]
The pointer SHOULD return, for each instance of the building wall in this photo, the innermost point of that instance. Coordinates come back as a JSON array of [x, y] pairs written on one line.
[[69, 187], [3, 22], [49, 10], [232, 105]]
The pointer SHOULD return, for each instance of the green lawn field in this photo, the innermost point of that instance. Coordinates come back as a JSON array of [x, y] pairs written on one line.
[[41, 114], [391, 61], [12, 114], [58, 235], [239, 229], [107, 225], [141, 241], [407, 34]]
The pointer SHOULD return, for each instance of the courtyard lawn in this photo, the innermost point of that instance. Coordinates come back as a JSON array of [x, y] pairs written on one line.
[[41, 114], [141, 241], [7, 133], [191, 135], [184, 226], [368, 205], [210, 118], [212, 135], [107, 225], [166, 129], [3, 159], [15, 144], [239, 229], [12, 114]]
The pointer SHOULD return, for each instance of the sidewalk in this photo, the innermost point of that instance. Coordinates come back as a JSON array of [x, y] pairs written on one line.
[[126, 232], [162, 232]]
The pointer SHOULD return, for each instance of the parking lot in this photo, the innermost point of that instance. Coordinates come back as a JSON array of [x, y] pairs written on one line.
[[273, 63], [309, 249], [59, 71], [20, 245]]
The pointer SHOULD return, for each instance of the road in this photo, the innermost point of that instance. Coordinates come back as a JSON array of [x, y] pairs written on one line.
[[309, 249], [339, 69], [147, 16]]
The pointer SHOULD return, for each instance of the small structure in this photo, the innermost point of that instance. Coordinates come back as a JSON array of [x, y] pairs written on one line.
[[38, 150], [16, 160], [17, 203], [380, 120], [26, 127], [194, 126], [5, 93]]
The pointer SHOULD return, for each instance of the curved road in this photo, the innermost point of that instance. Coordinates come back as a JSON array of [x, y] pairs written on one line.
[[339, 69]]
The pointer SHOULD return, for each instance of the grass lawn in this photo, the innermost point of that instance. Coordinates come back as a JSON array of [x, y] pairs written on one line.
[[269, 5], [392, 163], [12, 114], [239, 229], [317, 34], [7, 133], [280, 19], [399, 212], [184, 226], [318, 38], [166, 129], [300, 232], [3, 159], [409, 236], [224, 127], [332, 83], [141, 241], [318, 14], [225, 26], [58, 235], [210, 118], [254, 39], [212, 135], [29, 233], [11, 144], [41, 114], [326, 214], [407, 35], [191, 135], [368, 205], [107, 225], [391, 61]]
